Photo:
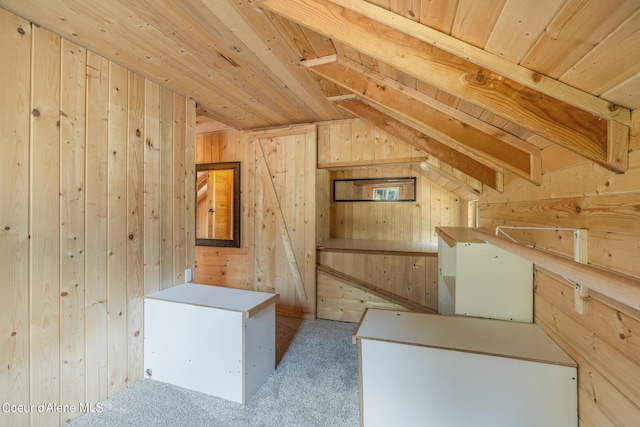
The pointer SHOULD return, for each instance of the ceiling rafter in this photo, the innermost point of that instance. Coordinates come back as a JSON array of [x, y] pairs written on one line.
[[458, 130], [603, 141], [442, 152]]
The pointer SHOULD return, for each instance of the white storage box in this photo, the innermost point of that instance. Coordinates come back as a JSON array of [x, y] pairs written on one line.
[[215, 340], [451, 371]]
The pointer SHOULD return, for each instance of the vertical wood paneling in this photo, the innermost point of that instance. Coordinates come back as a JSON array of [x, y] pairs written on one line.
[[135, 227], [278, 174], [15, 72], [72, 227], [82, 186], [117, 243], [282, 252], [167, 189], [189, 184], [96, 226], [179, 224], [45, 224], [152, 179]]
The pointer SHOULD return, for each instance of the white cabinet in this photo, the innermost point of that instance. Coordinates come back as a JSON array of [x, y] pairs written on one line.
[[481, 280], [451, 371], [215, 340]]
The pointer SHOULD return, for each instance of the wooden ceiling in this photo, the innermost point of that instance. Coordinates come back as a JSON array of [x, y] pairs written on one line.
[[491, 82]]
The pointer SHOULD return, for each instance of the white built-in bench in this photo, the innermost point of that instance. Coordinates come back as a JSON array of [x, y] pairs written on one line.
[[216, 340]]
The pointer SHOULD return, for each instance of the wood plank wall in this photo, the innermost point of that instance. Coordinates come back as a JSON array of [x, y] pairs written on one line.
[[604, 339], [93, 215], [357, 149], [228, 266], [277, 252]]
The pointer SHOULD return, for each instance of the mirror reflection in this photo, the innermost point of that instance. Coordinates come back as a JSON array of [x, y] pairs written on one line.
[[218, 204], [402, 189]]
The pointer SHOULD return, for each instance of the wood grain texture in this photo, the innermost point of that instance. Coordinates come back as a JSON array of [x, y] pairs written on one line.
[[423, 142], [435, 119], [96, 234], [15, 78], [44, 227], [135, 226], [74, 221], [72, 227], [167, 220], [557, 120], [581, 194], [152, 195], [117, 239]]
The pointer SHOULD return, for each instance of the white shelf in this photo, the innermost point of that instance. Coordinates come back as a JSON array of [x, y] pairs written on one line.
[[481, 280]]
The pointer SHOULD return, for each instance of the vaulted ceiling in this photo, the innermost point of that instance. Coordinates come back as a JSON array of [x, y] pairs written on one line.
[[484, 86]]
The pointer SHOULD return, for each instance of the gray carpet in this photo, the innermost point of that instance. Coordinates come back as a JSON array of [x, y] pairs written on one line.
[[315, 384]]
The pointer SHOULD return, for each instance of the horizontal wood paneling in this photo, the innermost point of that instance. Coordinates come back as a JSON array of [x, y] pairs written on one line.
[[77, 161], [602, 340]]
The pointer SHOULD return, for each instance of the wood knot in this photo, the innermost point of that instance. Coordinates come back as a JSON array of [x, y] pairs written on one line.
[[21, 31], [14, 333], [7, 228], [35, 113], [536, 77], [138, 133], [622, 336], [578, 209], [130, 236], [137, 333], [480, 78], [64, 294]]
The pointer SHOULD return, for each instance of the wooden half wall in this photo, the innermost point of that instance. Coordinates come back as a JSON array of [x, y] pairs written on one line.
[[600, 334], [94, 214]]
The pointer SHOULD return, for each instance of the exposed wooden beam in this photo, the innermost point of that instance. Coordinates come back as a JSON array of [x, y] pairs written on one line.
[[448, 155], [547, 85], [459, 130], [591, 136], [463, 190]]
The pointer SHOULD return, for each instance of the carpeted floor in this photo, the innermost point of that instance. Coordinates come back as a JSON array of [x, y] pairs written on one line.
[[315, 384]]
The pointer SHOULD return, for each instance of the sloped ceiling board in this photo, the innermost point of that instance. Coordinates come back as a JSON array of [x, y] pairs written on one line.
[[603, 140]]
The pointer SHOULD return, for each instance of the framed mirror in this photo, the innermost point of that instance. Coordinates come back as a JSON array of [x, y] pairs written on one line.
[[401, 189], [218, 204]]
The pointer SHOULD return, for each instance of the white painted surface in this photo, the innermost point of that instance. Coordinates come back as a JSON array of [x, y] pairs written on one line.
[[203, 338], [406, 385], [260, 349], [496, 337], [433, 370], [194, 347], [215, 297], [481, 280]]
